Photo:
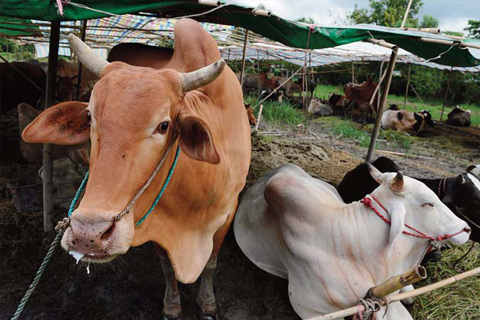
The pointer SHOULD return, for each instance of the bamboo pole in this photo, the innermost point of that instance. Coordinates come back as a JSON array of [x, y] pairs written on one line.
[[383, 100], [245, 42], [406, 13], [406, 89], [381, 43], [400, 296], [449, 43], [398, 282], [47, 148], [80, 67], [446, 93], [259, 117]]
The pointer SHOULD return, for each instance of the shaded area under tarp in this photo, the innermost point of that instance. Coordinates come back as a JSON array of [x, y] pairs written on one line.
[[289, 33]]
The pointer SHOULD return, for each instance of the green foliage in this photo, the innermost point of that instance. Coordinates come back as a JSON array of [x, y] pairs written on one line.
[[428, 81], [308, 20], [473, 29], [277, 113], [429, 21], [387, 13], [453, 33]]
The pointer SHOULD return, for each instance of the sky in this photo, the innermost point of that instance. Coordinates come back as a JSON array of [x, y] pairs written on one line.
[[453, 15]]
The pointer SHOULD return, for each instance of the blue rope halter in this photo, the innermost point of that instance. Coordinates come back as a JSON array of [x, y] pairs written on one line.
[[154, 204]]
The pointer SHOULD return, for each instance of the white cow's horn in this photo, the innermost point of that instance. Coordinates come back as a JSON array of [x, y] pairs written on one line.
[[201, 77], [86, 55]]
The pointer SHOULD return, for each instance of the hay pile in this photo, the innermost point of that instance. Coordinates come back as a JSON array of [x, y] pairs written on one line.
[[460, 300]]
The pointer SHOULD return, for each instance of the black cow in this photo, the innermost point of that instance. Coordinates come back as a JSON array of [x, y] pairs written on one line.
[[461, 193], [20, 82], [459, 118]]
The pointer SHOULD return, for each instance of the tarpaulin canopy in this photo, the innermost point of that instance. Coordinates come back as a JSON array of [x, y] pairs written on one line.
[[287, 32]]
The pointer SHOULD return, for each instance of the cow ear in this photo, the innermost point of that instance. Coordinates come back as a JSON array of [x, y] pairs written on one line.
[[196, 139], [397, 216], [376, 175], [66, 123]]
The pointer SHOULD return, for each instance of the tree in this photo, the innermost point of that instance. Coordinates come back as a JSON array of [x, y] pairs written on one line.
[[454, 33], [388, 13], [473, 29], [308, 20], [429, 21]]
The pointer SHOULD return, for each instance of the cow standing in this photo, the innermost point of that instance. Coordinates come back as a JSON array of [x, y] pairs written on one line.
[[136, 115], [297, 227]]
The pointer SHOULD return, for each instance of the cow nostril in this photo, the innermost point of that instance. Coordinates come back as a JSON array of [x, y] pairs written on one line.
[[467, 230], [108, 232]]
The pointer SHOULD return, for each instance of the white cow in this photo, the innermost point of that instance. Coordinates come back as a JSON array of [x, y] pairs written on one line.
[[298, 228]]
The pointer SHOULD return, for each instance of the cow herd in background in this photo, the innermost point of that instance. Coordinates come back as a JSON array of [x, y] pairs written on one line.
[[330, 246]]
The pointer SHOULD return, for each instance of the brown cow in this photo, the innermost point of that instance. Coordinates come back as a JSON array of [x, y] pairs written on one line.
[[360, 95], [33, 152], [140, 55], [251, 117], [135, 116]]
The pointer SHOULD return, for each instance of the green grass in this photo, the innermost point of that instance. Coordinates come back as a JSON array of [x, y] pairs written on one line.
[[278, 113], [458, 301], [346, 129], [413, 103]]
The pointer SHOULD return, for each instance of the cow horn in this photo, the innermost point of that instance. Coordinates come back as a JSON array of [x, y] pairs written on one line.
[[397, 182], [86, 55], [201, 77]]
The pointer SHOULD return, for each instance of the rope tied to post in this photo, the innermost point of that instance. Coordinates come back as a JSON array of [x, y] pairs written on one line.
[[370, 307]]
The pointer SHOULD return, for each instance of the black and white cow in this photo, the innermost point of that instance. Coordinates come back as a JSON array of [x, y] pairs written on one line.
[[459, 118]]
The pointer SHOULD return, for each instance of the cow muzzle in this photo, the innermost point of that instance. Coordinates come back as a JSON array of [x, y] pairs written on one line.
[[97, 237]]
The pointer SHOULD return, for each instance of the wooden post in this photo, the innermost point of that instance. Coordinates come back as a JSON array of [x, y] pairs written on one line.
[[406, 13], [446, 93], [245, 42], [406, 89], [79, 78], [383, 100], [259, 117], [49, 101], [353, 72]]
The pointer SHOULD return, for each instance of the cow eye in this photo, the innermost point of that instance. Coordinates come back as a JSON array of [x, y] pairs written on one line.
[[430, 205], [162, 128], [89, 116]]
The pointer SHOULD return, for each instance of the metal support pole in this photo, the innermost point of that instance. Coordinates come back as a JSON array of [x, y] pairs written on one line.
[[383, 100], [406, 89], [47, 151], [244, 55], [79, 79]]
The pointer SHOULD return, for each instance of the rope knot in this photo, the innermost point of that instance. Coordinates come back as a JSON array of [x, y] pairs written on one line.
[[367, 202], [62, 225]]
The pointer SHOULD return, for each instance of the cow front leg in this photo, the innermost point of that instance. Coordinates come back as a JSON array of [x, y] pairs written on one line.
[[206, 296], [172, 307]]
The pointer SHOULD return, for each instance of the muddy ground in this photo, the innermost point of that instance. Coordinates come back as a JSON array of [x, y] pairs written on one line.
[[133, 287]]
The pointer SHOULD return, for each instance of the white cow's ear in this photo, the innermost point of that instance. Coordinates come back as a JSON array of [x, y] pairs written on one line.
[[397, 225], [376, 175]]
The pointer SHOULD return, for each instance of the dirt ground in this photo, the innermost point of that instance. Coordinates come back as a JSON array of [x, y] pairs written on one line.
[[132, 287]]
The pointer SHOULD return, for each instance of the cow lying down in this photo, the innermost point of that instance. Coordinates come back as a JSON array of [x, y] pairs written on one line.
[[406, 121], [460, 193], [298, 228]]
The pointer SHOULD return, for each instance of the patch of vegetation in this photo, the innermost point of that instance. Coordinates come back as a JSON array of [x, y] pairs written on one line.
[[278, 113], [456, 301], [347, 129], [397, 138]]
